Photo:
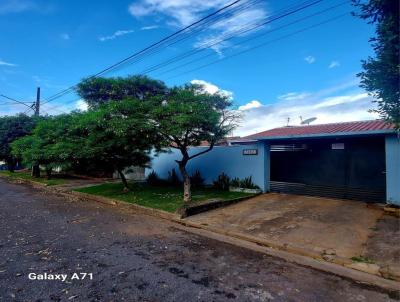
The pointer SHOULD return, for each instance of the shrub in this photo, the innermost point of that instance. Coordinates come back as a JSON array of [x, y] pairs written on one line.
[[173, 178], [196, 179], [153, 179], [247, 183], [235, 182], [222, 182]]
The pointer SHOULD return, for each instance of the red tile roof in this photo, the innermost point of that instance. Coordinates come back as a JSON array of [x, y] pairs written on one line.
[[323, 129]]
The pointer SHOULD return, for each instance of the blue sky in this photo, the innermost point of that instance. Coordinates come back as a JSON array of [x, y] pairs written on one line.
[[54, 44]]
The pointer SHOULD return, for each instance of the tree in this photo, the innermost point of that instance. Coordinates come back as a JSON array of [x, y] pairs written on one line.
[[47, 144], [188, 116], [12, 128], [117, 135], [381, 72], [97, 91]]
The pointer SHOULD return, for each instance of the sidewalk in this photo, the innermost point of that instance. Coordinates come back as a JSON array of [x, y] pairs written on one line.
[[353, 234]]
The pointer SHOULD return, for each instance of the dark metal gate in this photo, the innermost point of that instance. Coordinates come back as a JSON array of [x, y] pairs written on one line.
[[351, 168]]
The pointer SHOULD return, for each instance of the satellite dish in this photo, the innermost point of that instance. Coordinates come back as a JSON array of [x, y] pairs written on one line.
[[308, 121]]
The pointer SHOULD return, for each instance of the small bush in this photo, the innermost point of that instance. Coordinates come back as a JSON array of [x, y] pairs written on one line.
[[247, 183], [173, 178], [222, 182], [196, 179], [153, 179], [235, 182]]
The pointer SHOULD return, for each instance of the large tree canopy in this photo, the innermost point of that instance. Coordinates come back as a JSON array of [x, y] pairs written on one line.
[[97, 91], [188, 116], [381, 72], [50, 144], [12, 128], [115, 136]]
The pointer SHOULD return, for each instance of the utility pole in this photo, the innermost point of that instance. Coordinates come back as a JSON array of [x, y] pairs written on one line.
[[35, 168], [37, 104]]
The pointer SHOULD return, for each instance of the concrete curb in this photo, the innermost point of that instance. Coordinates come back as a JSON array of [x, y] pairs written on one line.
[[207, 206], [138, 208], [287, 253], [36, 184]]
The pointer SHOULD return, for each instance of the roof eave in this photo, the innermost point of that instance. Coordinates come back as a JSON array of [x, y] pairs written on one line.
[[322, 135]]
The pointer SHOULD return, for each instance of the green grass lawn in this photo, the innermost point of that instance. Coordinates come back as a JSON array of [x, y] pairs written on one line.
[[27, 175], [163, 198]]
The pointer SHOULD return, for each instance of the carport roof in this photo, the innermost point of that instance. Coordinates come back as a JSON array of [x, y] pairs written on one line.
[[334, 129]]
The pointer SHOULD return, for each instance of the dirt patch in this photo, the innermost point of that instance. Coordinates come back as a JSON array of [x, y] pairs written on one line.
[[383, 245]]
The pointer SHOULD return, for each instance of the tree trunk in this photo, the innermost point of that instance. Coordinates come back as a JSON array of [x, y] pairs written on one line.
[[124, 181], [187, 194], [11, 165], [48, 172], [35, 171]]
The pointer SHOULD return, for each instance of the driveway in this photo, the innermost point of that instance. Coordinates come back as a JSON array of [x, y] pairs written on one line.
[[136, 257], [319, 227]]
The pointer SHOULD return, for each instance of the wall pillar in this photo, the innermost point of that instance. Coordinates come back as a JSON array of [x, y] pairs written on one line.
[[392, 147], [264, 153]]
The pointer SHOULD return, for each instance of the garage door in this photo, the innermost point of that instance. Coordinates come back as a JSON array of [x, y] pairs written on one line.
[[341, 168]]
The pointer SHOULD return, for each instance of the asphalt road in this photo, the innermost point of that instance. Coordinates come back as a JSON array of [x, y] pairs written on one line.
[[140, 258]]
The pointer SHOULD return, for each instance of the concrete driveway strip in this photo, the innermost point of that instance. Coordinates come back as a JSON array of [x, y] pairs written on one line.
[[131, 257], [310, 224]]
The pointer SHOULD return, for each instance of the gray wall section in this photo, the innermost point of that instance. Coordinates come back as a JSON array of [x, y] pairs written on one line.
[[392, 145], [229, 159]]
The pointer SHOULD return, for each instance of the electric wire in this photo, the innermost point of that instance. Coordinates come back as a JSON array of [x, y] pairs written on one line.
[[125, 61]]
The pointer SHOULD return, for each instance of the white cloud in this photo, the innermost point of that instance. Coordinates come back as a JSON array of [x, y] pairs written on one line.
[[212, 89], [65, 36], [81, 105], [290, 96], [4, 63], [149, 27], [335, 104], [116, 34], [334, 64], [309, 59], [250, 105], [180, 13], [15, 6]]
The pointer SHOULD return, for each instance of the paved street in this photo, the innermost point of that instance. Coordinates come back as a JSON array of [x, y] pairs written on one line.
[[140, 258]]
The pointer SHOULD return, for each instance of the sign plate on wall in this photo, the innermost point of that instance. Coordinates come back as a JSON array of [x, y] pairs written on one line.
[[338, 146], [250, 151]]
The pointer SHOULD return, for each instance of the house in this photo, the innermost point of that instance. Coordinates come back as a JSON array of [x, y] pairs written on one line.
[[353, 160]]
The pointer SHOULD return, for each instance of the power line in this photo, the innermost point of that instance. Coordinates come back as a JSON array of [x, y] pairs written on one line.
[[47, 108], [265, 43], [148, 47], [249, 39], [235, 34], [262, 45], [236, 14], [214, 17], [16, 101], [285, 12]]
